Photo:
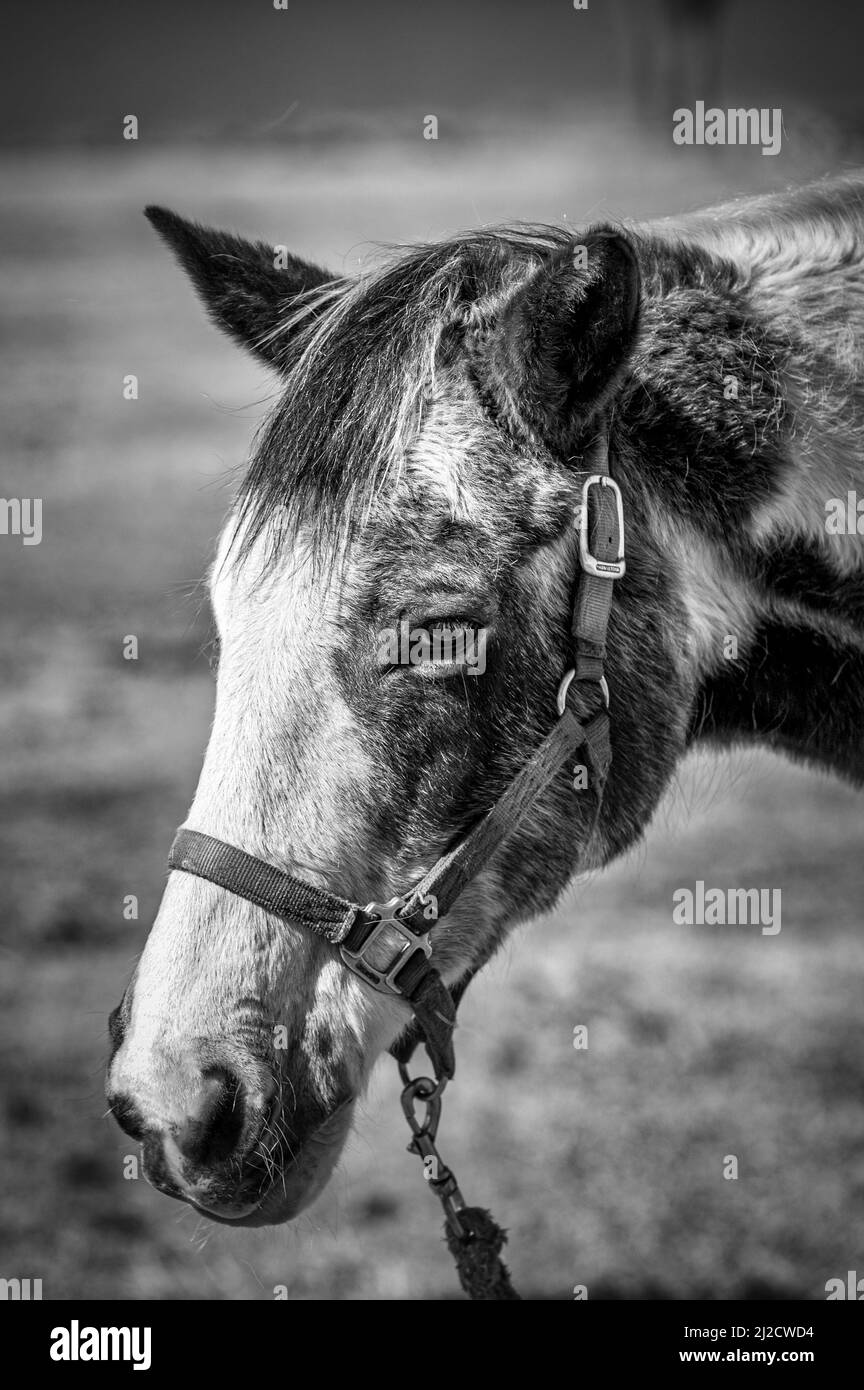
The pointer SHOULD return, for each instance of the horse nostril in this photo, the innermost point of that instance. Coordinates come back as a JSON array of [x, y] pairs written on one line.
[[214, 1122], [127, 1115]]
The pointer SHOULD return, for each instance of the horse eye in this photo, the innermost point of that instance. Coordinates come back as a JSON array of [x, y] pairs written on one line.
[[452, 646], [437, 647]]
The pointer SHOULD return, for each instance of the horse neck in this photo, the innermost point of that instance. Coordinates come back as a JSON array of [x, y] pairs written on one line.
[[773, 594], [776, 623]]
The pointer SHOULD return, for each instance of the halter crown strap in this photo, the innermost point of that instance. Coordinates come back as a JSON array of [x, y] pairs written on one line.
[[601, 556], [388, 944]]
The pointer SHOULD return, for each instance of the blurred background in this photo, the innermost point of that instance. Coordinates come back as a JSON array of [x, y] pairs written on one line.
[[304, 126]]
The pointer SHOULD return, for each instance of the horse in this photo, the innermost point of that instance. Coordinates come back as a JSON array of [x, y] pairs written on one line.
[[430, 461]]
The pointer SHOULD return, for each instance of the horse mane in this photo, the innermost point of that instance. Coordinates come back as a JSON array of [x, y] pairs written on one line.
[[820, 224], [362, 369]]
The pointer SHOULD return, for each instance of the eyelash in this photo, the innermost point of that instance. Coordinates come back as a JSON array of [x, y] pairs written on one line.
[[456, 624], [453, 625]]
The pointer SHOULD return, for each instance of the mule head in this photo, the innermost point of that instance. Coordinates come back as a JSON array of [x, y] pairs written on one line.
[[392, 595]]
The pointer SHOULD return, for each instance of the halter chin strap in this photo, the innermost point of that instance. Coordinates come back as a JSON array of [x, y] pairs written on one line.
[[389, 944]]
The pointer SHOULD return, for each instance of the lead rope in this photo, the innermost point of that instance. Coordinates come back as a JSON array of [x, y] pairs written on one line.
[[474, 1238]]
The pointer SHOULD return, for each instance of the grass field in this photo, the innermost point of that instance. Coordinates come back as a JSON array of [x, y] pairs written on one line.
[[605, 1164]]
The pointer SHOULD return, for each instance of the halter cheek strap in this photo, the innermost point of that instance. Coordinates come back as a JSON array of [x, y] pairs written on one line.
[[389, 944]]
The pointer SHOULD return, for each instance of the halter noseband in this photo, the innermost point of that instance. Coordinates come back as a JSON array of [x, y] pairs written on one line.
[[389, 944]]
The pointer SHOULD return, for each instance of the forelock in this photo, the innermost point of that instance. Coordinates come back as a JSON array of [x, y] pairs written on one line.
[[362, 377]]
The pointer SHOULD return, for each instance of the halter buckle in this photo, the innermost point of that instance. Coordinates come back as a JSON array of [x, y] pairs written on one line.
[[374, 960], [561, 697], [603, 569]]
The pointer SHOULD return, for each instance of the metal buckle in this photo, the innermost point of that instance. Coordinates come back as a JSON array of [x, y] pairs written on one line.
[[380, 975], [561, 697], [605, 569]]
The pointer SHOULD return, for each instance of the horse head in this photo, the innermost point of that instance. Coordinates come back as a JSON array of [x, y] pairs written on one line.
[[392, 593]]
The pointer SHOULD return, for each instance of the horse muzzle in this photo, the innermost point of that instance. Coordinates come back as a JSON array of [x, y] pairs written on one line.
[[223, 1142]]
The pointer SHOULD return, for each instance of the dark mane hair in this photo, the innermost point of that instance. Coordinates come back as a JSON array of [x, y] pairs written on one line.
[[362, 366]]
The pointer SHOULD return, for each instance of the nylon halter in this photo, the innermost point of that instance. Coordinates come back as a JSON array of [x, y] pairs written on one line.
[[389, 945]]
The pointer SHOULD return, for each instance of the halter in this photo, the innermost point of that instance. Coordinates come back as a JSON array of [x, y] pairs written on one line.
[[389, 945]]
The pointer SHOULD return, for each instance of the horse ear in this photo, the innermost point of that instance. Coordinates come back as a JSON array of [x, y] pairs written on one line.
[[559, 343], [246, 289]]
